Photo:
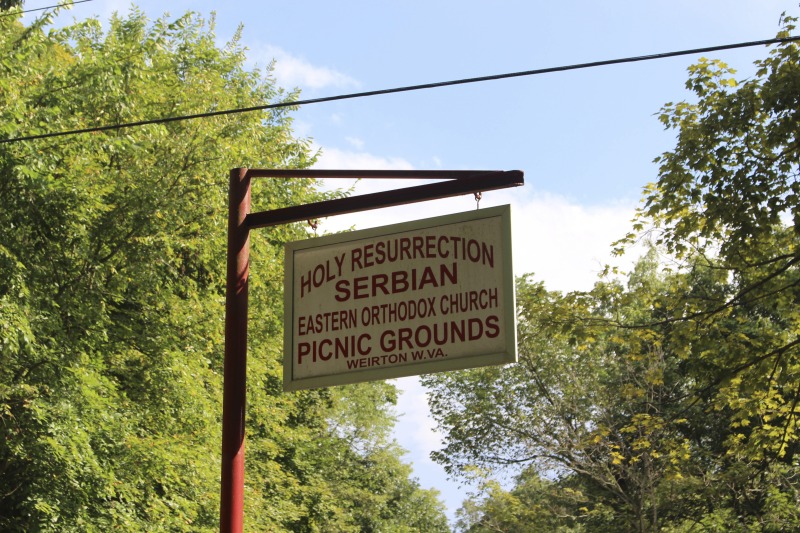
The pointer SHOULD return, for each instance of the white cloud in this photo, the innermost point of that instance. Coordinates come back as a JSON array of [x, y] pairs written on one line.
[[292, 71], [567, 244], [334, 158], [355, 142], [563, 243], [302, 128]]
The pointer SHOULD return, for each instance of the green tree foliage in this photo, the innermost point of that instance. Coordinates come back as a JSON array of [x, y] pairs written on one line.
[[6, 5], [588, 405], [728, 204], [670, 400], [112, 273], [533, 504]]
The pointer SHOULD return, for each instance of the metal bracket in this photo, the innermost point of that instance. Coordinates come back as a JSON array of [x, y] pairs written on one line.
[[457, 182], [240, 221]]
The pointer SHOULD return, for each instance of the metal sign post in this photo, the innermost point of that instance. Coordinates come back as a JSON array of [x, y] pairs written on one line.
[[240, 221], [235, 365]]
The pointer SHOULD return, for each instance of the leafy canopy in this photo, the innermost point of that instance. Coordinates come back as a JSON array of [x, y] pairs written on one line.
[[112, 276], [668, 400]]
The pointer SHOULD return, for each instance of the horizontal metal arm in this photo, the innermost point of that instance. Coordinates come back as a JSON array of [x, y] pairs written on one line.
[[458, 183], [367, 174]]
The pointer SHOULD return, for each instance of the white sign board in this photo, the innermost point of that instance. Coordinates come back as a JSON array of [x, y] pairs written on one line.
[[407, 299]]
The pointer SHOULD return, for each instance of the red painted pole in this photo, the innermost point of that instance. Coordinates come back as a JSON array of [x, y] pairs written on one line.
[[235, 366]]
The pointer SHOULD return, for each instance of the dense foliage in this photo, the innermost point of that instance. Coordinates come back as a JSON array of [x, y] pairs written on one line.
[[112, 252], [668, 400]]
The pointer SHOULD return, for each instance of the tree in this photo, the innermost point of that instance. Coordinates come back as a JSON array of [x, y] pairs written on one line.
[[6, 5], [669, 401], [112, 294], [587, 403], [728, 200], [533, 504]]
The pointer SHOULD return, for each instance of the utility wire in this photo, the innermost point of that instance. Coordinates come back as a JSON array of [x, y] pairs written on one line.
[[43, 8], [408, 88]]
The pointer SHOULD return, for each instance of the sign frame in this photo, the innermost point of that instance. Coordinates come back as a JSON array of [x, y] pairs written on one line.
[[507, 309], [241, 221]]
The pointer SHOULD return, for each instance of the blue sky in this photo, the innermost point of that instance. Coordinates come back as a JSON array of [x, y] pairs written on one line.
[[585, 139]]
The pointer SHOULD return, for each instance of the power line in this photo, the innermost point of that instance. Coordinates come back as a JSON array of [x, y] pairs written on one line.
[[43, 8], [408, 88]]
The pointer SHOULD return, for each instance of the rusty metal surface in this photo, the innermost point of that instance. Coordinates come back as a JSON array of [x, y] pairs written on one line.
[[460, 182], [368, 174], [235, 365]]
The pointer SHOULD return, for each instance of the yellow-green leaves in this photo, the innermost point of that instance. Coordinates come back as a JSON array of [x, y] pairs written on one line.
[[112, 272]]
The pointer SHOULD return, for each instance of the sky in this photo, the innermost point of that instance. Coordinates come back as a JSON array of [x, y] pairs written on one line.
[[585, 139]]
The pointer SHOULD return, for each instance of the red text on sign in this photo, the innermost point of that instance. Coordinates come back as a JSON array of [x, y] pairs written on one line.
[[395, 282], [439, 334], [339, 348]]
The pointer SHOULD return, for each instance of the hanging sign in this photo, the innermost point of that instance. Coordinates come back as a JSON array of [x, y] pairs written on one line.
[[423, 296]]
